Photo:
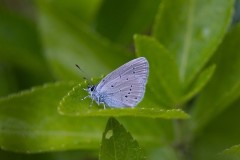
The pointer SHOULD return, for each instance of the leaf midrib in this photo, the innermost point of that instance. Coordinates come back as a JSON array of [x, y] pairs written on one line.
[[187, 41]]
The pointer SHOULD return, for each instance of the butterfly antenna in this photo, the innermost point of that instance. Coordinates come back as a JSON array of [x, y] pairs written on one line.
[[85, 77]]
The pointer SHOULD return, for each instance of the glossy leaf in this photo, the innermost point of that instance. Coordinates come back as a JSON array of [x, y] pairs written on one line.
[[224, 86], [163, 75], [191, 30], [30, 122], [72, 104], [118, 144]]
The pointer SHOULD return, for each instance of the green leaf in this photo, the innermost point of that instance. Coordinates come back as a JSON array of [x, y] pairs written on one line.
[[72, 104], [224, 86], [85, 11], [118, 20], [232, 153], [200, 82], [163, 75], [67, 41], [191, 30], [30, 123], [118, 144], [20, 44]]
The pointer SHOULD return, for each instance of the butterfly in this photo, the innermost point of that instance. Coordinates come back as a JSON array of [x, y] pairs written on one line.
[[123, 87]]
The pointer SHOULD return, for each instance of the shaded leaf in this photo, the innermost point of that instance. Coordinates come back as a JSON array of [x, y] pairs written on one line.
[[20, 44], [182, 27], [63, 155], [118, 144], [118, 20], [68, 41], [220, 133], [224, 87], [85, 11]]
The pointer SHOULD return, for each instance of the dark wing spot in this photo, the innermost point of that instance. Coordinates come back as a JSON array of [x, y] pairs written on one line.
[[135, 97], [128, 92], [133, 72], [112, 86], [130, 89], [131, 85], [126, 96], [127, 79]]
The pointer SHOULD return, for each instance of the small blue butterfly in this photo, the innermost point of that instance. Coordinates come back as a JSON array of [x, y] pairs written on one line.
[[123, 87]]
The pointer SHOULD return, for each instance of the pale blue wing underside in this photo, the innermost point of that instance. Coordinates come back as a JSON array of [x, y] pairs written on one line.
[[125, 86]]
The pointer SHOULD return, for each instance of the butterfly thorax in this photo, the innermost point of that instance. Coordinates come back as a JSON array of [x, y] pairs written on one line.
[[95, 95]]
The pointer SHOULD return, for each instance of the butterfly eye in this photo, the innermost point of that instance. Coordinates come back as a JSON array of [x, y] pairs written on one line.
[[92, 88]]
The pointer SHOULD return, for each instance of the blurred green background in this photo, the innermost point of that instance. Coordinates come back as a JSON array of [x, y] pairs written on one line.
[[42, 40]]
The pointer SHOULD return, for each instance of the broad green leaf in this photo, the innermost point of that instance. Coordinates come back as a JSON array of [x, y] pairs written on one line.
[[118, 144], [224, 87], [68, 41], [191, 30], [221, 133], [119, 20], [163, 74], [200, 82], [72, 104], [29, 122], [20, 45]]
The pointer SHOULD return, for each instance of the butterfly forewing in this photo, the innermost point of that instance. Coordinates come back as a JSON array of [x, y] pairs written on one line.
[[125, 86], [137, 68]]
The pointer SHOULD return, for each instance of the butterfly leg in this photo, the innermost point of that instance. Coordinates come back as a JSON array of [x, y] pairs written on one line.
[[85, 97], [104, 106], [91, 103]]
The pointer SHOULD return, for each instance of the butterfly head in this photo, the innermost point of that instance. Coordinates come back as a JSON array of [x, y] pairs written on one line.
[[91, 88]]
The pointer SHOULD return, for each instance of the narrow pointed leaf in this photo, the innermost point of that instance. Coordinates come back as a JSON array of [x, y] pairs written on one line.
[[192, 30], [118, 144], [163, 81], [200, 82], [224, 87]]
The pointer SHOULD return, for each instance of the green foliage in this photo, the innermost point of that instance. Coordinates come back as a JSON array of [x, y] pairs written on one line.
[[191, 106], [72, 104], [232, 153], [118, 144]]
